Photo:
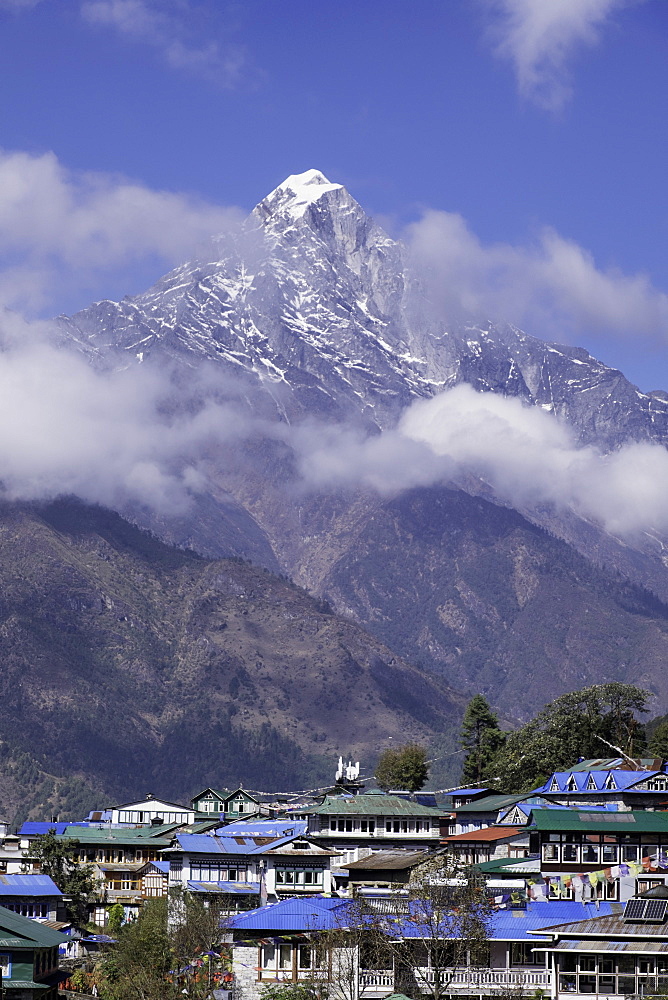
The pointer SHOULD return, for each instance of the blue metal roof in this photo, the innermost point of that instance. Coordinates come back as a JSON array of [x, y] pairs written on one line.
[[28, 885], [312, 913], [264, 828], [316, 913], [162, 866], [205, 843], [34, 828], [233, 888], [623, 780]]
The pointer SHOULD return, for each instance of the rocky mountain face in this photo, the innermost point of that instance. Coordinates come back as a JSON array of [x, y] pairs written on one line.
[[312, 312], [132, 667], [314, 304]]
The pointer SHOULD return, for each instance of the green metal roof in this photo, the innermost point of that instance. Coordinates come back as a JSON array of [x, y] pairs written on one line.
[[31, 933], [158, 835], [371, 805], [23, 984], [574, 820], [500, 865]]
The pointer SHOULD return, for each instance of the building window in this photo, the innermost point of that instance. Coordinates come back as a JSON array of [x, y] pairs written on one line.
[[6, 965], [521, 953], [307, 877]]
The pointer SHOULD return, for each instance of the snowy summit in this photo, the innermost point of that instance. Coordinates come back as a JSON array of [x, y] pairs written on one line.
[[296, 194]]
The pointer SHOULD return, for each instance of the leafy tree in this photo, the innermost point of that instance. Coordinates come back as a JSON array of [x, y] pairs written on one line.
[[196, 936], [444, 926], [403, 767], [658, 744], [55, 857], [592, 722], [139, 966], [115, 918], [482, 737]]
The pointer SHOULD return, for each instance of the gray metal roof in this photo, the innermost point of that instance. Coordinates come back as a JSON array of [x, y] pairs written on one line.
[[397, 860], [591, 944], [614, 925]]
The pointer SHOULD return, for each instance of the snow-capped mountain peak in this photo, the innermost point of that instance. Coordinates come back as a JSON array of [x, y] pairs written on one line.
[[291, 199]]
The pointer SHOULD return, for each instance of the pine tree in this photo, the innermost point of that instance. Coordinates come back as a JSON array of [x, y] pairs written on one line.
[[482, 738]]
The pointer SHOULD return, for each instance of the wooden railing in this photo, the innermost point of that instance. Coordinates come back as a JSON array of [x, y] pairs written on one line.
[[464, 979]]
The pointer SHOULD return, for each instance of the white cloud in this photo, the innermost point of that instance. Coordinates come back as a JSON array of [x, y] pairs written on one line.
[[168, 28], [540, 36], [525, 454], [109, 437], [553, 286], [62, 229]]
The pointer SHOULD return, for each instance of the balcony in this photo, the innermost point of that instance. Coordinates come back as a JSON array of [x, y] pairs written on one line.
[[486, 981]]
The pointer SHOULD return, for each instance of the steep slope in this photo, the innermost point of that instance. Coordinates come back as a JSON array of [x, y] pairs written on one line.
[[496, 604], [129, 666], [311, 311]]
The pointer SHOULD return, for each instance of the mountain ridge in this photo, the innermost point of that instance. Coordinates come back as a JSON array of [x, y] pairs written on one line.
[[313, 313]]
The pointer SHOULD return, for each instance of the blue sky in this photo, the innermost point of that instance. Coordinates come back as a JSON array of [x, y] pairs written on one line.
[[526, 138]]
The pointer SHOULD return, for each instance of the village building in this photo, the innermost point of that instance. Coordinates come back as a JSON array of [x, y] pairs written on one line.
[[228, 806], [352, 824], [292, 941], [29, 958], [35, 896], [241, 867]]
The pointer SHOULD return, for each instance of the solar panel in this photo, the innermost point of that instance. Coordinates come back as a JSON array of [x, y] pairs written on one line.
[[635, 909], [656, 909]]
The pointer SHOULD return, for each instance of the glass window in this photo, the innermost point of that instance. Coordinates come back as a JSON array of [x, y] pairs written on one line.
[[363, 825], [268, 956], [606, 965], [332, 824], [388, 826], [568, 963], [587, 984], [305, 956], [626, 985], [550, 852], [285, 956], [646, 966], [349, 826], [587, 963], [626, 964], [570, 852], [590, 854], [609, 854], [6, 965], [607, 984], [396, 826], [567, 984], [372, 826]]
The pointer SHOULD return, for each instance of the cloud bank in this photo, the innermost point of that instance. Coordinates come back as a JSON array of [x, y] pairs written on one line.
[[552, 286], [141, 435], [539, 37], [525, 454], [108, 437], [61, 229]]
